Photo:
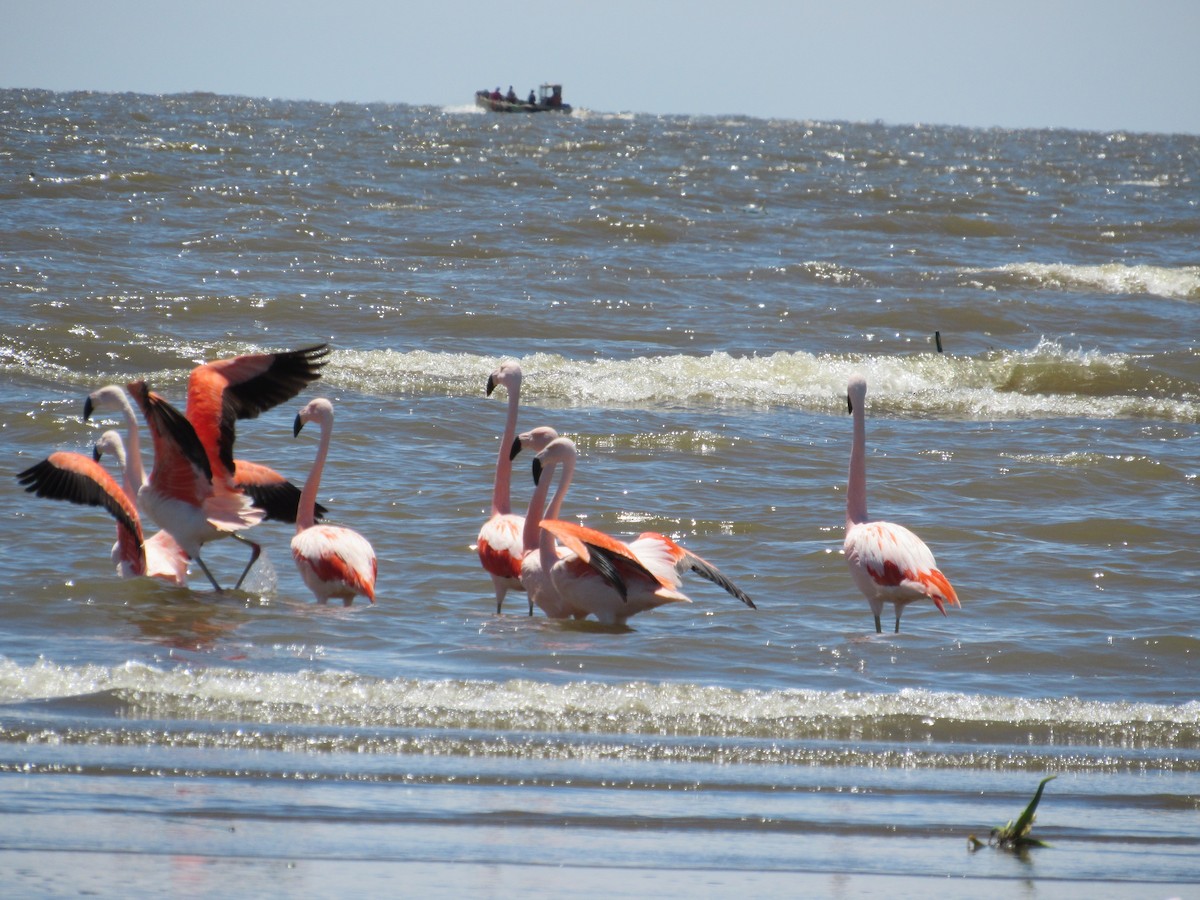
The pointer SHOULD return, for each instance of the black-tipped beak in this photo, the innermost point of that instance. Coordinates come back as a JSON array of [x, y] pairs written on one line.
[[537, 470], [514, 449], [95, 453], [88, 409], [849, 405], [297, 425], [491, 385]]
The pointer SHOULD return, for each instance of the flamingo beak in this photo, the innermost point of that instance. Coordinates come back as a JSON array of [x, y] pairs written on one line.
[[849, 405], [515, 449], [297, 425], [88, 409], [537, 470], [491, 385]]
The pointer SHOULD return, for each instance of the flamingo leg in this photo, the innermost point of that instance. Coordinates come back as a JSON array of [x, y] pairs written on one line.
[[879, 626], [501, 590], [255, 552], [204, 569]]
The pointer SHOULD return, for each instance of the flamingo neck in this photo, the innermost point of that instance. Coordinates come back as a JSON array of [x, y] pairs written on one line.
[[135, 475], [502, 491], [856, 487], [306, 515], [564, 482], [530, 534], [131, 487], [546, 539], [533, 537]]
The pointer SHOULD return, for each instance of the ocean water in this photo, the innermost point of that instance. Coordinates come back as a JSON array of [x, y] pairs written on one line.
[[687, 298]]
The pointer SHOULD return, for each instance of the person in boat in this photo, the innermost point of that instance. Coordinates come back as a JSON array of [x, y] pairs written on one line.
[[532, 101], [496, 95], [511, 96]]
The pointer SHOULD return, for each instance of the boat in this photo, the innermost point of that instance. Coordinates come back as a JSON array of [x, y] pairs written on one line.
[[549, 99]]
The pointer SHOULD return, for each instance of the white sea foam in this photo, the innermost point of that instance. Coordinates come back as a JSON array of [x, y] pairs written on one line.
[[1048, 380], [1182, 283], [338, 698]]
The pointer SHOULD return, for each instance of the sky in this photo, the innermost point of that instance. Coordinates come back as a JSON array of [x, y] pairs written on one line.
[[1102, 65]]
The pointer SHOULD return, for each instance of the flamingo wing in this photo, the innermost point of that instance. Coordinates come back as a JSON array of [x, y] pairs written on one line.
[[705, 569], [165, 559], [337, 556], [277, 497], [499, 546], [77, 479], [658, 550], [225, 390], [897, 560], [612, 559], [181, 467]]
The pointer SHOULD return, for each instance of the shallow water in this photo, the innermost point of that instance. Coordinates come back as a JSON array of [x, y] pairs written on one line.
[[687, 298]]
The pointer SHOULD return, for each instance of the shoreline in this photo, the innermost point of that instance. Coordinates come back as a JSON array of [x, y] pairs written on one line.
[[49, 873]]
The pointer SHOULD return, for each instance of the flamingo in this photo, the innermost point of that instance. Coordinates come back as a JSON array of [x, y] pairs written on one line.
[[333, 561], [241, 387], [271, 492], [540, 554], [181, 494], [219, 393], [594, 573], [499, 543], [165, 559], [112, 398], [76, 478], [889, 563]]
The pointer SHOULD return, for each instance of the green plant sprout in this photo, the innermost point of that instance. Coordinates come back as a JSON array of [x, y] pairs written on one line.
[[1014, 836]]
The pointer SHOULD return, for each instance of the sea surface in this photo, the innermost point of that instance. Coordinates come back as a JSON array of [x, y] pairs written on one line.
[[687, 298]]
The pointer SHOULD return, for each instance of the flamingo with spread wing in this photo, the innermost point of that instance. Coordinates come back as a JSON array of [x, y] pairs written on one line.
[[593, 573]]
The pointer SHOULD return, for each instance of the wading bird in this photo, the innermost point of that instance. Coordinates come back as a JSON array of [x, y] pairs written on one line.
[[333, 561], [181, 494], [242, 387], [499, 542], [595, 574], [889, 563], [271, 492], [79, 479], [165, 559]]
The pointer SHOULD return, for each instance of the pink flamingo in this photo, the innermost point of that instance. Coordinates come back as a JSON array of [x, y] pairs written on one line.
[[499, 542], [594, 573], [271, 492], [333, 561], [78, 479], [540, 553], [241, 387], [193, 491], [889, 563], [181, 494], [112, 398], [165, 559]]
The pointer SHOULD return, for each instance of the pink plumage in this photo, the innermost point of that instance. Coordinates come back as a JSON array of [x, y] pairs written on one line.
[[499, 542], [593, 573], [334, 561], [888, 562]]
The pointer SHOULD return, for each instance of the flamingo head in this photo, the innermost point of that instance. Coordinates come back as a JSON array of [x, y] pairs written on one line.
[[856, 393], [109, 442], [559, 450], [508, 376], [110, 398], [319, 410], [536, 440]]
